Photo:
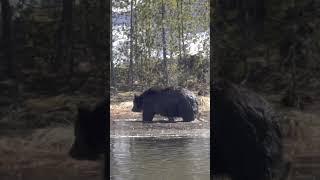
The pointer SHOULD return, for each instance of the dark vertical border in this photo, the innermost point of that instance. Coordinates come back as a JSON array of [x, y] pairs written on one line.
[[212, 72], [107, 85]]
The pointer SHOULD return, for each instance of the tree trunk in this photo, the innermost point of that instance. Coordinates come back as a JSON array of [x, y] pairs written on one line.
[[84, 21], [7, 37], [113, 82], [165, 68], [68, 33], [64, 53], [105, 11], [182, 36], [130, 72], [179, 32]]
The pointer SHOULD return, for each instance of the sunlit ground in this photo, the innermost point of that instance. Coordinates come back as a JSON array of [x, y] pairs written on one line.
[[43, 155]]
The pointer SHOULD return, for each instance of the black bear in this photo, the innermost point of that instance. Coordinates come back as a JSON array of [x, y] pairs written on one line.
[[170, 102], [247, 142], [90, 132]]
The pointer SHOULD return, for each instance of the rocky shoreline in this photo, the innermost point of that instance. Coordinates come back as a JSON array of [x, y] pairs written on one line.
[[159, 128]]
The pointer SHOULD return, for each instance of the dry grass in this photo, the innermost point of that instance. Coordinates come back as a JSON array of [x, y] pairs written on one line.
[[28, 152], [57, 103], [204, 103], [43, 154], [122, 111], [122, 97], [45, 104], [44, 111]]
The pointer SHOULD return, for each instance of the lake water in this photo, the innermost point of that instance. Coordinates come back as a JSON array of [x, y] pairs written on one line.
[[160, 158]]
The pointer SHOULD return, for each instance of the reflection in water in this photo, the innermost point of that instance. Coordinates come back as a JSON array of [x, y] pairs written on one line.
[[160, 158]]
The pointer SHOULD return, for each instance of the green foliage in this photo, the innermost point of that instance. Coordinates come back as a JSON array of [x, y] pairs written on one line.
[[36, 32], [148, 44], [279, 52], [193, 69]]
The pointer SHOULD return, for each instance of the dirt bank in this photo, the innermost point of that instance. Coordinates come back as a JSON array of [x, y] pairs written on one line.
[[43, 154], [35, 137]]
